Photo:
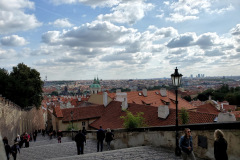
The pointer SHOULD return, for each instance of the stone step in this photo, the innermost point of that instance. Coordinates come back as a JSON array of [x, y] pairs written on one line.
[[55, 150], [142, 152]]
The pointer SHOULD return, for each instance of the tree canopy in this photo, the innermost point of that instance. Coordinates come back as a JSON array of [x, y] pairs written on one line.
[[23, 86], [232, 95]]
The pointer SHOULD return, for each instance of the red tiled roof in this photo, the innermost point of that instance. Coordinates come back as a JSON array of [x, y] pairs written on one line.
[[111, 116], [229, 107], [58, 112], [82, 113], [208, 108], [155, 99]]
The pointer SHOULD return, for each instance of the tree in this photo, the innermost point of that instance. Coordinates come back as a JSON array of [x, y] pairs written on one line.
[[4, 79], [133, 121], [25, 86], [187, 98], [54, 93], [184, 116]]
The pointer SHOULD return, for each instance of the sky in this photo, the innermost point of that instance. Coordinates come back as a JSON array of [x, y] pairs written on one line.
[[121, 39]]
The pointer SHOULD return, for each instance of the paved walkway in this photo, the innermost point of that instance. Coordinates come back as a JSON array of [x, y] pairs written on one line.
[[44, 148]]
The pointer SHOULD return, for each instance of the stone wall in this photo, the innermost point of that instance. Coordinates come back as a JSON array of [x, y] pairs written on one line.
[[203, 139], [14, 120]]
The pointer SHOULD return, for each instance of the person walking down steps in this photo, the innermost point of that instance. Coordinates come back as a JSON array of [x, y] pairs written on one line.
[[100, 138], [80, 138]]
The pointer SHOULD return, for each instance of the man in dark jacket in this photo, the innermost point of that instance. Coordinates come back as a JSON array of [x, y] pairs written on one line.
[[80, 138], [100, 138]]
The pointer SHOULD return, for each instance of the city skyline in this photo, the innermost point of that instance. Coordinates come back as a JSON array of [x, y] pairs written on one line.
[[138, 39]]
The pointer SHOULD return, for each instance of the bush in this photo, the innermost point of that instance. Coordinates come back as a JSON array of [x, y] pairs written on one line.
[[184, 116], [133, 121]]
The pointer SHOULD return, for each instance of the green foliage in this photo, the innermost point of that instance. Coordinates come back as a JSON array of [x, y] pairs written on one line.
[[232, 95], [24, 86], [188, 98], [184, 116], [54, 93], [133, 121], [69, 128], [4, 79]]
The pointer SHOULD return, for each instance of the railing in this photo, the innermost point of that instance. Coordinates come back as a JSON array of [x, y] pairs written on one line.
[[164, 136]]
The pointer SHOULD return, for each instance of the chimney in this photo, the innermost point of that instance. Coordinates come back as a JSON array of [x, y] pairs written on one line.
[[163, 111], [122, 97], [163, 92], [79, 99], [105, 99], [210, 97], [226, 117], [124, 104], [144, 92]]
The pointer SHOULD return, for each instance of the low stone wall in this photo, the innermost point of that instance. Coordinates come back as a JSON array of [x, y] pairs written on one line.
[[203, 138], [15, 121]]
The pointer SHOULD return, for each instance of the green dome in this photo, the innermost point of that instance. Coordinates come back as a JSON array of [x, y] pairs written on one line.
[[95, 86]]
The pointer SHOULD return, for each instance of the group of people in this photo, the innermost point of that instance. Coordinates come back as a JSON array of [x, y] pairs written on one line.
[[80, 139], [220, 145], [19, 141]]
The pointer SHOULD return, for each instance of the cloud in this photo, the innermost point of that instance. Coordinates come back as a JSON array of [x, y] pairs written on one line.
[[13, 18], [236, 30], [92, 3], [207, 40], [136, 58], [61, 23], [7, 54], [127, 12], [183, 40], [214, 52], [95, 34], [13, 40], [184, 10]]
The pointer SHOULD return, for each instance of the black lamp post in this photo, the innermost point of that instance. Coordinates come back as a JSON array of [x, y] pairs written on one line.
[[176, 81], [72, 123]]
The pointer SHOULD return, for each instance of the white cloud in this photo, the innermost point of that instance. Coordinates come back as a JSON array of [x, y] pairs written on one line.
[[127, 12], [95, 34], [183, 40], [184, 10], [236, 30], [92, 3], [13, 40], [13, 18], [7, 54], [61, 23]]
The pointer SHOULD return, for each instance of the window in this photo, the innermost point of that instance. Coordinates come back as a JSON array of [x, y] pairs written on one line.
[[83, 123]]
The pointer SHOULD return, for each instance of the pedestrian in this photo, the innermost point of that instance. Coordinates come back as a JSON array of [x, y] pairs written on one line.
[[59, 135], [34, 136], [7, 147], [80, 138], [109, 138], [220, 146], [100, 138], [14, 150], [18, 141], [5, 140], [186, 145], [26, 139]]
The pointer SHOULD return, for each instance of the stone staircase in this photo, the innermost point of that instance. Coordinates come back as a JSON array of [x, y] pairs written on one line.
[[44, 148]]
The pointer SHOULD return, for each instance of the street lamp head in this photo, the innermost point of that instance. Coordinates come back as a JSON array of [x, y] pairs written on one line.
[[176, 78]]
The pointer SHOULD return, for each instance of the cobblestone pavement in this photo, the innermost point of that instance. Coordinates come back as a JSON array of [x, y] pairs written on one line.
[[44, 149]]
